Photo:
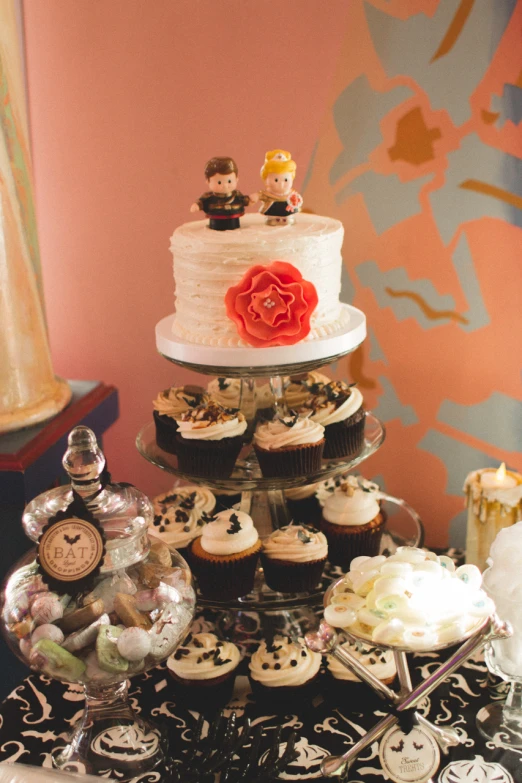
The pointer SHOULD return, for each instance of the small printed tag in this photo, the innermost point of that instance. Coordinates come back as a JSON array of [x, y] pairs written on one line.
[[71, 549], [409, 758]]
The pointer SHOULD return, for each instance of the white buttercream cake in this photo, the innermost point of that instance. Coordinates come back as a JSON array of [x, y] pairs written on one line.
[[207, 263]]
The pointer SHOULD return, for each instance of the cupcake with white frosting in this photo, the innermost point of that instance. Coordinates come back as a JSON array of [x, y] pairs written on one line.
[[352, 521], [342, 683], [284, 672], [225, 391], [293, 558], [339, 408], [203, 671], [180, 515], [299, 388], [289, 446], [224, 557], [303, 506], [209, 440], [168, 406]]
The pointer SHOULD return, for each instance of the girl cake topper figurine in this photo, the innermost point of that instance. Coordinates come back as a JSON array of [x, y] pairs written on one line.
[[222, 203], [279, 199]]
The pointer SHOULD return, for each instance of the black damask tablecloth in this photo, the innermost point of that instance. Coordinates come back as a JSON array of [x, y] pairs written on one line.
[[39, 711]]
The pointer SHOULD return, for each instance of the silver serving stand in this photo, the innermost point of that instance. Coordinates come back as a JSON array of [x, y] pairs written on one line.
[[326, 641]]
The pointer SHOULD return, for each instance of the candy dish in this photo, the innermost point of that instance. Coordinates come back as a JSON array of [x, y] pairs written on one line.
[[410, 602], [97, 602]]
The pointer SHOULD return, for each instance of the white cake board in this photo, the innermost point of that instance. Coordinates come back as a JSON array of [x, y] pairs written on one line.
[[213, 359]]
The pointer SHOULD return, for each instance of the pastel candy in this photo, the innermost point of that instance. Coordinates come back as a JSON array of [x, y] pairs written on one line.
[[470, 575], [134, 644], [85, 636], [339, 615], [420, 638], [109, 587], [81, 617], [159, 553], [396, 568], [52, 659], [125, 608], [109, 659], [46, 608], [389, 631], [47, 631], [389, 585], [147, 600], [348, 599]]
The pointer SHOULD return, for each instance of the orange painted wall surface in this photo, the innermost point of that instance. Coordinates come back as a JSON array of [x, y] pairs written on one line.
[[405, 119]]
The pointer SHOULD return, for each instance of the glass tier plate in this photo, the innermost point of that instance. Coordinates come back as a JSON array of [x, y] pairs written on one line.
[[250, 478], [246, 361], [403, 528]]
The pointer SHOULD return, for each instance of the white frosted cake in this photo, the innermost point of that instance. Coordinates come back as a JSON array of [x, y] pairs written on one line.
[[211, 267]]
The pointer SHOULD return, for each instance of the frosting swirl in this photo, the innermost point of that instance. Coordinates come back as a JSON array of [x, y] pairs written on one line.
[[290, 431], [353, 503], [284, 663], [203, 656], [297, 543], [181, 513], [297, 393], [381, 663], [225, 391], [335, 402], [175, 401], [211, 422], [228, 533]]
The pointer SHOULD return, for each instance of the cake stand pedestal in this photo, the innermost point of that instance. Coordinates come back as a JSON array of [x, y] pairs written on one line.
[[402, 704]]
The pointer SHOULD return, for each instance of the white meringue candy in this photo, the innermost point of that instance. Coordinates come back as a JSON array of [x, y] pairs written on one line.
[[389, 631], [389, 585], [371, 617], [134, 644], [447, 563], [392, 604], [396, 568], [46, 608], [47, 631], [410, 554], [470, 575], [481, 605], [370, 563], [454, 631], [420, 637], [348, 599], [339, 615], [364, 581], [357, 562]]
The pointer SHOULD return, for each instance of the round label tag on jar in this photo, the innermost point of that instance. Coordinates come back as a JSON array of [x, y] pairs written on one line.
[[409, 758], [71, 549]]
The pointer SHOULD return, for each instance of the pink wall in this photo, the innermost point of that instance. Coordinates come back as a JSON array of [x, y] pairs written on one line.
[[128, 99]]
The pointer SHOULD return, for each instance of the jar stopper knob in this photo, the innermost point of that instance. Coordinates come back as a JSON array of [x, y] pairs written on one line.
[[83, 461]]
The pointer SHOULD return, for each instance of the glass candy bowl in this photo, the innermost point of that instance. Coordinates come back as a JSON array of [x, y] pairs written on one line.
[[96, 602]]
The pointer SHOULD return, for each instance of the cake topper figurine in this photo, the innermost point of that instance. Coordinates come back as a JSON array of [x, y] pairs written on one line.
[[279, 199], [222, 203]]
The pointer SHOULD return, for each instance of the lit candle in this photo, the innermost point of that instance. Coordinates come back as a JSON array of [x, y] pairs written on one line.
[[494, 500]]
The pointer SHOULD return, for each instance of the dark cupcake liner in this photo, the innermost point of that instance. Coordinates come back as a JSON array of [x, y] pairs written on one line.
[[205, 696], [345, 438], [208, 458], [284, 576], [305, 511], [166, 431], [224, 580], [346, 542], [296, 461], [285, 697]]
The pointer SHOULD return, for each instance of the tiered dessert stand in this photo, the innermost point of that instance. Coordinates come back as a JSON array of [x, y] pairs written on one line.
[[263, 497]]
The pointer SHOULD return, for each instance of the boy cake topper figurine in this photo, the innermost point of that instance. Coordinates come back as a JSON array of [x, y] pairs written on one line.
[[279, 199], [222, 203]]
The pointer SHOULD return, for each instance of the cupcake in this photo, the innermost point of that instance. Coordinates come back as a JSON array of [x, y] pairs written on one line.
[[180, 514], [209, 440], [203, 672], [284, 673], [265, 402], [299, 388], [225, 391], [168, 406], [303, 504], [224, 557], [289, 446], [342, 684], [339, 408], [293, 558], [352, 521], [229, 498]]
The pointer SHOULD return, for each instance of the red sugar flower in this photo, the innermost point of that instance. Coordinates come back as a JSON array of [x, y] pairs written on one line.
[[272, 305]]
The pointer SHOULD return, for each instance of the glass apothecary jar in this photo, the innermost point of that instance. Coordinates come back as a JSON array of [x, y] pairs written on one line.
[[95, 602]]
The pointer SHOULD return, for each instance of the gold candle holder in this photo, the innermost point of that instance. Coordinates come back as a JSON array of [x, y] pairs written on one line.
[[494, 501]]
